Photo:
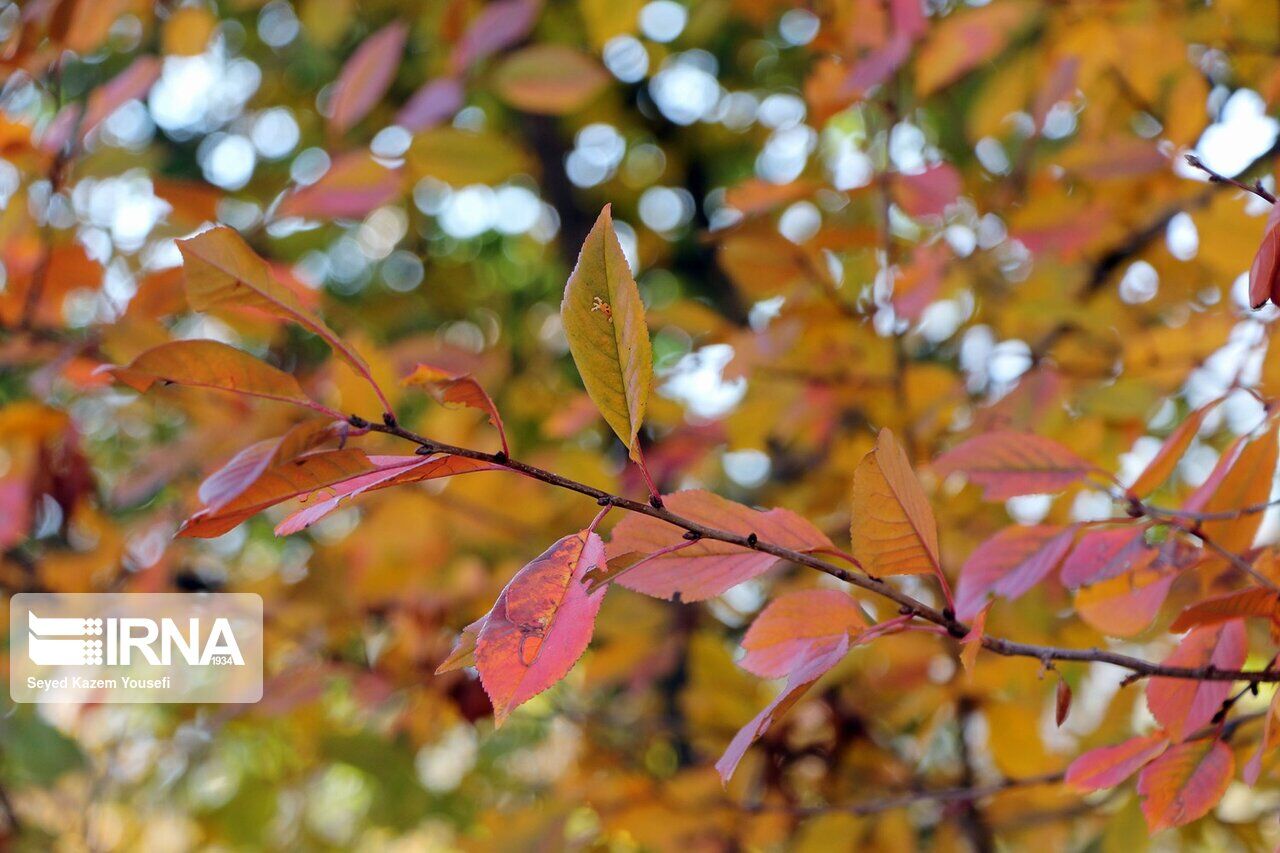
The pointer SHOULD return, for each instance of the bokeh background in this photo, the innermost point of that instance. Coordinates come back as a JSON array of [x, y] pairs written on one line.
[[936, 216]]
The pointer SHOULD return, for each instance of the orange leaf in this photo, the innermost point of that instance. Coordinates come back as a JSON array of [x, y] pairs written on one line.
[[243, 469], [893, 529], [222, 270], [1127, 605], [210, 364], [1108, 766], [540, 625], [1183, 705], [1008, 464], [707, 567], [1162, 465], [1185, 782], [458, 390], [391, 471], [1010, 563], [787, 630], [366, 76], [1264, 603], [464, 653], [1248, 482], [298, 477]]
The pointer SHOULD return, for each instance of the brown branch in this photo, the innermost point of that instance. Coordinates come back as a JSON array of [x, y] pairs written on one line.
[[907, 604], [1214, 178]]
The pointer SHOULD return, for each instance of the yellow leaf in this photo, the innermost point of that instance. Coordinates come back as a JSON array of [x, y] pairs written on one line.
[[187, 31], [604, 322], [894, 532]]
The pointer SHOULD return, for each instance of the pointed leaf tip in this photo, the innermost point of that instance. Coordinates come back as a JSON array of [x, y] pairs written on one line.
[[604, 322]]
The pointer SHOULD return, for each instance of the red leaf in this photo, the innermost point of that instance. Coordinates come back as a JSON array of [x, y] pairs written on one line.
[[1062, 702], [789, 629], [394, 471], [1264, 603], [707, 567], [1108, 766], [1008, 464], [1262, 273], [1185, 783], [366, 76], [1104, 554], [459, 390], [1183, 705], [540, 625], [1010, 563], [820, 660]]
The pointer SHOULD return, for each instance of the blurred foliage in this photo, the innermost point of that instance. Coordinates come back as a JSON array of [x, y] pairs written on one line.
[[940, 217]]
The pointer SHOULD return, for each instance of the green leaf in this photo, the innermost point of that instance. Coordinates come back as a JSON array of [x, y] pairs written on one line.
[[604, 322]]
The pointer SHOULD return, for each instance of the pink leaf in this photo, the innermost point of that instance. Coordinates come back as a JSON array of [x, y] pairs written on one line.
[[1108, 766], [1104, 554], [1183, 705], [1010, 563], [366, 76], [540, 625], [354, 185], [500, 25], [399, 470], [1008, 464], [708, 567], [819, 662], [243, 469], [435, 102]]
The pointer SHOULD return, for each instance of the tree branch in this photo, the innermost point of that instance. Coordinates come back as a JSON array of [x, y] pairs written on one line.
[[1214, 178], [906, 603]]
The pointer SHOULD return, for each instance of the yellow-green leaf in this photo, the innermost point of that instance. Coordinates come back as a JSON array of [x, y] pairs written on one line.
[[604, 322]]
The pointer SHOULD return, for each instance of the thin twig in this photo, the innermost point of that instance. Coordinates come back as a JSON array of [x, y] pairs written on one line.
[[1214, 178], [906, 603]]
